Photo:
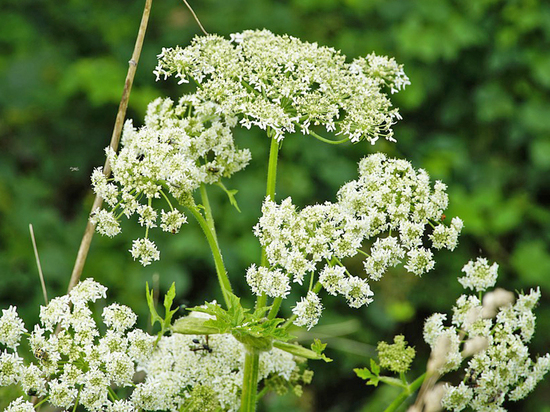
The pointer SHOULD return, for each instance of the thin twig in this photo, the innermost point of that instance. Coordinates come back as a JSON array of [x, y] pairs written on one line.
[[38, 265], [115, 138], [196, 18]]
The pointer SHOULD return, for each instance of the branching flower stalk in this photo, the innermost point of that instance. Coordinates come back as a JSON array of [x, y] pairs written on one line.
[[214, 359]]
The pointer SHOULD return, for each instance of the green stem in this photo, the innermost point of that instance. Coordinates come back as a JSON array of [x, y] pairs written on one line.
[[270, 192], [272, 169], [218, 260], [252, 357], [324, 139], [250, 380], [412, 388], [208, 211]]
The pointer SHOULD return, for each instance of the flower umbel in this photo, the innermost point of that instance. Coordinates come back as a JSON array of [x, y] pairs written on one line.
[[283, 84], [390, 206]]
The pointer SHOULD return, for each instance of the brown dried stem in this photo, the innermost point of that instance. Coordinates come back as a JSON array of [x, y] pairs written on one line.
[[115, 138]]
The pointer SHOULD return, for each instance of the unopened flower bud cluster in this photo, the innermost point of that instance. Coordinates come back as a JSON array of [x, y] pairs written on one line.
[[496, 337], [180, 147], [81, 366], [284, 84], [390, 204]]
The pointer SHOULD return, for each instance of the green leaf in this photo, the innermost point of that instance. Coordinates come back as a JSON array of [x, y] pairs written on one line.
[[366, 374], [190, 325], [374, 367], [151, 303], [363, 373], [318, 348], [231, 195], [168, 299]]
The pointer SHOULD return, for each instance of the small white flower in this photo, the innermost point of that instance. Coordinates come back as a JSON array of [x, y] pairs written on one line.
[[147, 216], [120, 368], [105, 222], [172, 221], [479, 275], [457, 398], [55, 312], [273, 283], [61, 394], [419, 261], [11, 327], [87, 290], [20, 405], [356, 291], [10, 368], [331, 278], [119, 317], [308, 310], [141, 345], [433, 327], [144, 250]]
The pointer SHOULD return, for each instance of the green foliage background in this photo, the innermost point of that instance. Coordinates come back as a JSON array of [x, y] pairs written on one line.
[[477, 116]]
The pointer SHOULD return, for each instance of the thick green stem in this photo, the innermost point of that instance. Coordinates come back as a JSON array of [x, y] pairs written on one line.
[[250, 380], [270, 192], [252, 357], [209, 232]]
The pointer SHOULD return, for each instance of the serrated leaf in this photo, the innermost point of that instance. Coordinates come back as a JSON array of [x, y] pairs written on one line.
[[363, 373], [366, 374], [318, 348]]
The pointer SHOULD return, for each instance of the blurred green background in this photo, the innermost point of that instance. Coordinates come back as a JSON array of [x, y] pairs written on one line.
[[476, 116]]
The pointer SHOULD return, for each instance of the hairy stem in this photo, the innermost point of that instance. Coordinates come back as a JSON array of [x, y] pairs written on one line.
[[115, 138], [209, 232], [250, 380], [208, 211]]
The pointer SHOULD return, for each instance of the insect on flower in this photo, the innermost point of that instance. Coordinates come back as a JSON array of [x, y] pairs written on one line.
[[203, 347], [41, 354]]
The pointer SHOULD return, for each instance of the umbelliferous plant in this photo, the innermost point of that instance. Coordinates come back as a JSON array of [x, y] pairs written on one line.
[[215, 357]]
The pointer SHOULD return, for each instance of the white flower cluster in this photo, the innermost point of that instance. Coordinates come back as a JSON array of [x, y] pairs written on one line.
[[479, 275], [389, 202], [182, 362], [500, 367], [180, 147], [79, 366], [76, 364], [284, 84]]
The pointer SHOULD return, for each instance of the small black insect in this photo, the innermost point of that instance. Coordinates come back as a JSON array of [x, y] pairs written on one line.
[[140, 157], [203, 347]]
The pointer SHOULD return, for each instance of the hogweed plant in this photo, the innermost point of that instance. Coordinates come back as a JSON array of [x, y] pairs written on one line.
[[218, 356]]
